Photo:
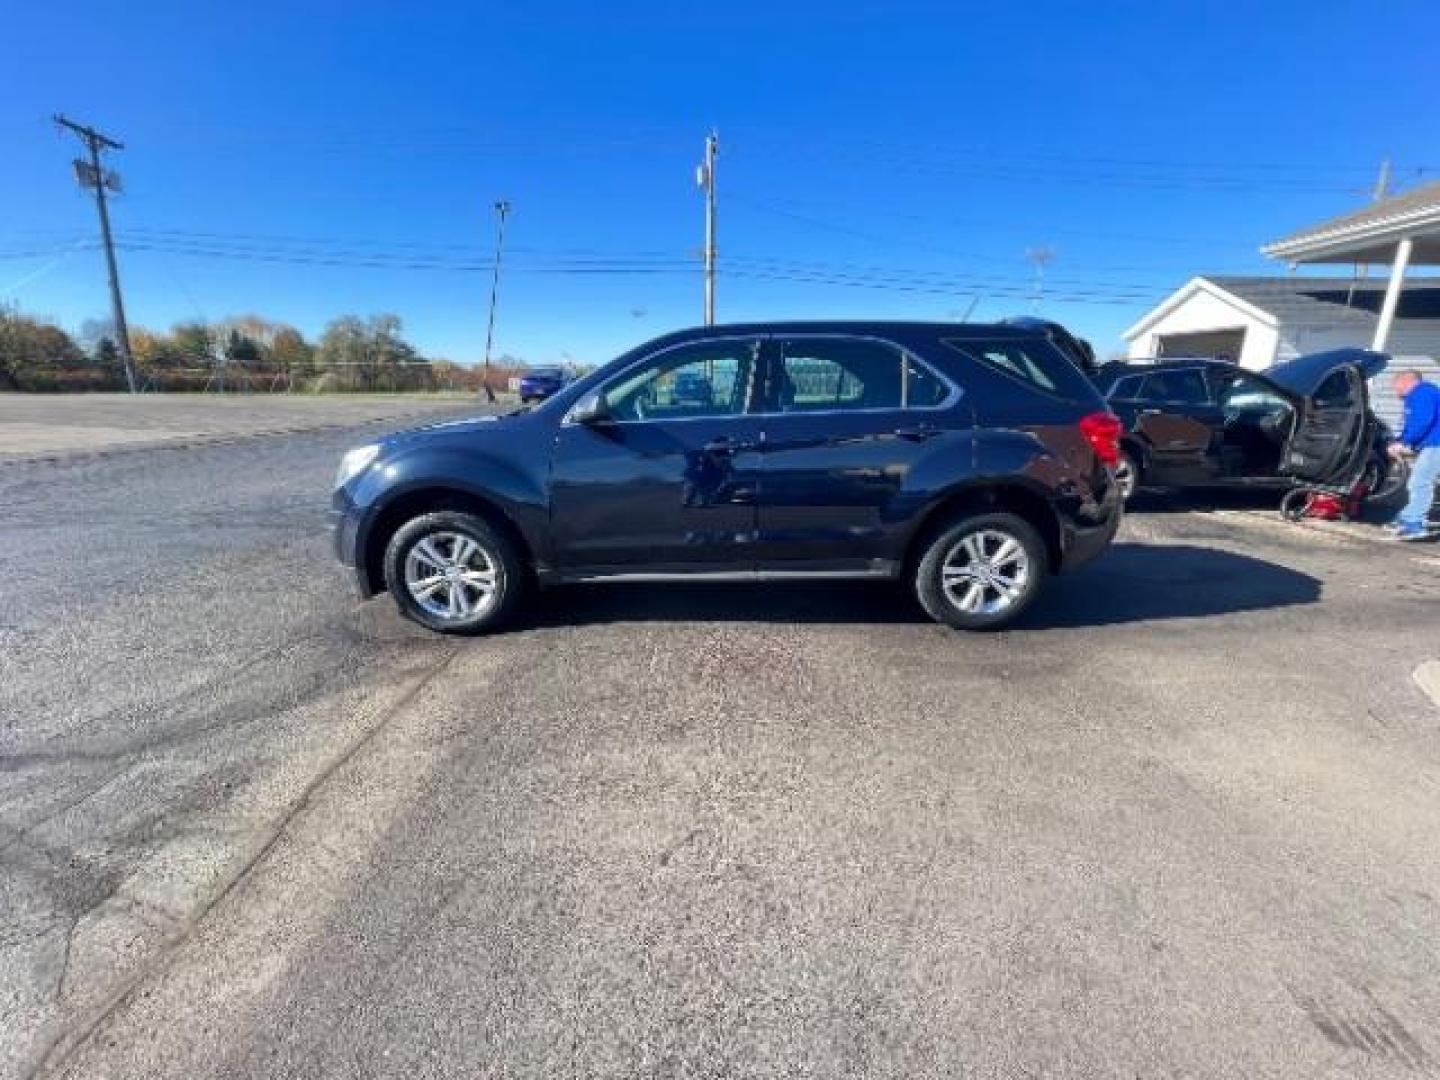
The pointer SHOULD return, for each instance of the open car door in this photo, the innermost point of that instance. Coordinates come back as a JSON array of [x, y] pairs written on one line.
[[1332, 430]]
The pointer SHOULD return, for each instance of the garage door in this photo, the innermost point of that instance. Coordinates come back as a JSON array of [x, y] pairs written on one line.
[[1221, 344]]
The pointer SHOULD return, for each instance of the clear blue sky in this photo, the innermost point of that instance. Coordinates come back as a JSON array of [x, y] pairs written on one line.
[[303, 160]]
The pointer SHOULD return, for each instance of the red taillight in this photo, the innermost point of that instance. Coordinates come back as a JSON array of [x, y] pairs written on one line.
[[1102, 432]]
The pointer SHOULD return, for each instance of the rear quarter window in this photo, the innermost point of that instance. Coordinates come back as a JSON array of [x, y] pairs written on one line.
[[1034, 363], [1127, 388]]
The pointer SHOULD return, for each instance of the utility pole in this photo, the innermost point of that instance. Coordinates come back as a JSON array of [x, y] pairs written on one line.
[[90, 174], [705, 180], [502, 210]]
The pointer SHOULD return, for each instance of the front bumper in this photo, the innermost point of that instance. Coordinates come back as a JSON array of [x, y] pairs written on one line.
[[344, 522]]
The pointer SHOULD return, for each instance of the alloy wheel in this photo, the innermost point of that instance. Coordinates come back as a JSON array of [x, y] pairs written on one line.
[[451, 576], [986, 572]]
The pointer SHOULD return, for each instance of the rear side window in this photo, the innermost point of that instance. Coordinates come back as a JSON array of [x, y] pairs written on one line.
[[1036, 363], [1126, 389], [825, 375], [1185, 387]]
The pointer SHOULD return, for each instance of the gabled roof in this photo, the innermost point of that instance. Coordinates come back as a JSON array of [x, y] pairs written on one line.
[[1330, 302], [1370, 234], [1185, 292]]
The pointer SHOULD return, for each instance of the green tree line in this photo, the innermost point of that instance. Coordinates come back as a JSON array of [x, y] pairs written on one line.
[[353, 353]]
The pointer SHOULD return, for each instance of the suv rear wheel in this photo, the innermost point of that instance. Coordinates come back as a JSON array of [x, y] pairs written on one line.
[[981, 571], [450, 571]]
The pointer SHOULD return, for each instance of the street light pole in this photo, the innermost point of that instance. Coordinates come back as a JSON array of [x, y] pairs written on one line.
[[502, 210]]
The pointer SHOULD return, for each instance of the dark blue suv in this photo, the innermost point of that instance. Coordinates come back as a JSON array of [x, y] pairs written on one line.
[[967, 461]]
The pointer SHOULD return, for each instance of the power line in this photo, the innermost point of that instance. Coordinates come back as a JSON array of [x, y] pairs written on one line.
[[1068, 297], [631, 138], [32, 253], [620, 267], [420, 245], [470, 258], [1099, 293], [1020, 227], [1010, 166]]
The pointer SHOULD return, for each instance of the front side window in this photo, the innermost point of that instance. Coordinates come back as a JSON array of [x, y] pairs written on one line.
[[826, 375], [703, 379], [1245, 395]]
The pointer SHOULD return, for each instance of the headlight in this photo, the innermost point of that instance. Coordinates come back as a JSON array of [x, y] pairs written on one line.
[[355, 461]]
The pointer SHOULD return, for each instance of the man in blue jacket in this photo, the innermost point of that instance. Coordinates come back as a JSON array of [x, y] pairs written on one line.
[[1421, 435]]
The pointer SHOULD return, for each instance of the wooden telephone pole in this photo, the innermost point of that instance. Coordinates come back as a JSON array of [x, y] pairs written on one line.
[[91, 174]]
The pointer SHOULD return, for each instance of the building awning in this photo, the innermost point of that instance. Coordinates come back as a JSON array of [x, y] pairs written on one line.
[[1370, 235], [1400, 231]]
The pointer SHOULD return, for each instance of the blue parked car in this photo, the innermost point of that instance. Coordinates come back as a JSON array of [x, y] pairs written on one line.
[[968, 463], [537, 384]]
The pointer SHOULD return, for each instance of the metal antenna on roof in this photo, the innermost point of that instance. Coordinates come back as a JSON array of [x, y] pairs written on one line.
[[1041, 257], [1379, 194], [1382, 183]]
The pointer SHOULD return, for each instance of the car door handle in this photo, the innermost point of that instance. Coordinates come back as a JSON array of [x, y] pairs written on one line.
[[919, 433]]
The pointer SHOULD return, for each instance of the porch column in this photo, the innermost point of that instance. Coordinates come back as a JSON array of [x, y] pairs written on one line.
[[1392, 294]]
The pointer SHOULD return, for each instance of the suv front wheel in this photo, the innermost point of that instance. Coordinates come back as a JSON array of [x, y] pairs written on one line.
[[981, 572], [451, 571]]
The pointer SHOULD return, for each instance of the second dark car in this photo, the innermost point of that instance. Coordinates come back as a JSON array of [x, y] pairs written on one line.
[[537, 384], [969, 462], [1211, 423]]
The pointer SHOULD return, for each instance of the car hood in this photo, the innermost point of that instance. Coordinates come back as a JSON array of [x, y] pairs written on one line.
[[464, 426], [1304, 374]]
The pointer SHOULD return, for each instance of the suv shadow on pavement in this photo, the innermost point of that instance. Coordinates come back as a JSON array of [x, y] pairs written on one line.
[[1142, 582], [1130, 583]]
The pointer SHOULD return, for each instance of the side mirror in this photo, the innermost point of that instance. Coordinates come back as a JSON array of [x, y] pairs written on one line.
[[591, 409]]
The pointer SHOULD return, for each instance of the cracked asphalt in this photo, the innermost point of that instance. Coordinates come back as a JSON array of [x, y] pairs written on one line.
[[1182, 822]]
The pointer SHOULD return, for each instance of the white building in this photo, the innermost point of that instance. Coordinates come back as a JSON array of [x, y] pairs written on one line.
[[1257, 321]]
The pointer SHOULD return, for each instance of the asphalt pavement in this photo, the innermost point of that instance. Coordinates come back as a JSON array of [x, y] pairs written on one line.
[[1182, 822]]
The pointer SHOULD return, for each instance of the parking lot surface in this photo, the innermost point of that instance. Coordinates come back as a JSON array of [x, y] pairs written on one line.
[[1182, 822]]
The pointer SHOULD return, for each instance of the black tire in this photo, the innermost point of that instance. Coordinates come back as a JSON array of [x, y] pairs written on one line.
[[495, 558], [948, 544], [1386, 480]]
